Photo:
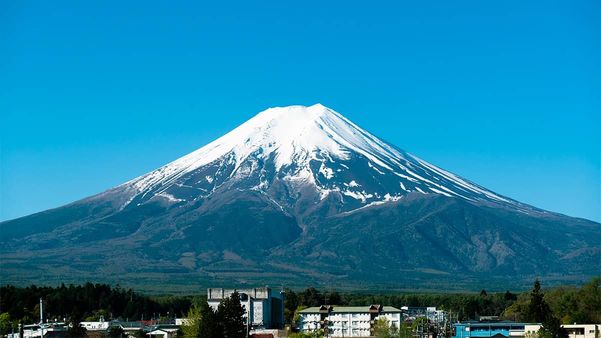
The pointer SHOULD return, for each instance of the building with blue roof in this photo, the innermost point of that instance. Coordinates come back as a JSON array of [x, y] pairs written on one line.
[[498, 329]]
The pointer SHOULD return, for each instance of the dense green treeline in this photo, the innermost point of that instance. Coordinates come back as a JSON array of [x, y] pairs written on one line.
[[86, 302], [90, 301], [569, 304]]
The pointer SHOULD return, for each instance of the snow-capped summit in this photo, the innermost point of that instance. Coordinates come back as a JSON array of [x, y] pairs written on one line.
[[303, 147]]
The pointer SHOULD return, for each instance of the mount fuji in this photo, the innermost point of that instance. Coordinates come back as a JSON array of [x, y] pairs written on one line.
[[296, 196]]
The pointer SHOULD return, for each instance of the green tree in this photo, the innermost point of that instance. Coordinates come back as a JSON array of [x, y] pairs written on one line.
[[296, 317], [116, 332], [209, 325], [382, 328], [6, 324], [311, 297], [420, 325], [537, 310], [334, 298], [590, 301], [96, 315], [230, 315], [291, 302], [552, 329], [201, 321], [405, 331], [191, 327]]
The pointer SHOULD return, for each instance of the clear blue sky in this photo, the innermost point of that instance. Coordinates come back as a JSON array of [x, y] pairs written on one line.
[[504, 93]]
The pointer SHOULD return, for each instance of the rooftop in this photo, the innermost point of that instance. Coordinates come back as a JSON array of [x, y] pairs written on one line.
[[493, 323], [350, 309]]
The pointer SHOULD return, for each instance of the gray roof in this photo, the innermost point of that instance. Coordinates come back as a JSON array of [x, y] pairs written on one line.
[[351, 309], [505, 323]]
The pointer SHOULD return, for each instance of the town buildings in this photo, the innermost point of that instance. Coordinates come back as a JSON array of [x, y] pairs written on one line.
[[434, 315], [347, 321], [264, 307]]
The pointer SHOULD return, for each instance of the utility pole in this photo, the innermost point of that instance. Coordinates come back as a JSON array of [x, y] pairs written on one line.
[[247, 322], [42, 317], [41, 311]]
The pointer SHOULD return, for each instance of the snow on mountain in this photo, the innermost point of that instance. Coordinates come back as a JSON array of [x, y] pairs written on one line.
[[307, 146]]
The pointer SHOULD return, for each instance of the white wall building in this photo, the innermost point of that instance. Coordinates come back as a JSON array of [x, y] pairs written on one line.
[[583, 330], [96, 326], [573, 330], [41, 330], [347, 321], [162, 333], [264, 306]]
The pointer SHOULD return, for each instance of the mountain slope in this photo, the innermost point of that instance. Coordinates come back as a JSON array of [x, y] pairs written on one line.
[[297, 195]]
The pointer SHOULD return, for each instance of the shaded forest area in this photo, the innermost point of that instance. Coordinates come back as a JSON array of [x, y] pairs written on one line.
[[88, 302]]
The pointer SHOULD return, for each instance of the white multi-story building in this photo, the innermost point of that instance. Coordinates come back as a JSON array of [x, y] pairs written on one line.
[[573, 330], [264, 307], [347, 321]]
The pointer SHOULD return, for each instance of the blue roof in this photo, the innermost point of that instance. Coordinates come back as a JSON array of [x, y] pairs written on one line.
[[501, 323]]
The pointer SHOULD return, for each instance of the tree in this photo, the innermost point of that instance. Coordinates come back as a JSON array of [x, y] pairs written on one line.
[[96, 315], [509, 296], [230, 315], [296, 317], [382, 328], [335, 298], [75, 329], [116, 332], [291, 302], [552, 329], [201, 321], [209, 325], [405, 331], [537, 310], [191, 327], [311, 297], [5, 323], [420, 325]]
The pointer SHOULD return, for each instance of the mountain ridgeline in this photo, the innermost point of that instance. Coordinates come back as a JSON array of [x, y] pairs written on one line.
[[298, 196]]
